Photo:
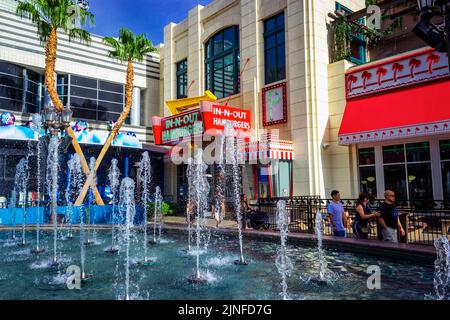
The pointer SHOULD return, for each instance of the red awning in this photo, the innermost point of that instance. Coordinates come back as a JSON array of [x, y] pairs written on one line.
[[407, 112]]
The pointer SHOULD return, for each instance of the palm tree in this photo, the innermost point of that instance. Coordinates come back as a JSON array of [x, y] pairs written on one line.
[[127, 48], [49, 17]]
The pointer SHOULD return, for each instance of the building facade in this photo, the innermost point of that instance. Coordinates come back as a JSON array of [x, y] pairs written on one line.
[[243, 49], [88, 81], [268, 44]]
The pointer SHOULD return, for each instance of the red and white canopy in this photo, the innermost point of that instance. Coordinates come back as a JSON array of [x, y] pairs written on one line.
[[403, 97]]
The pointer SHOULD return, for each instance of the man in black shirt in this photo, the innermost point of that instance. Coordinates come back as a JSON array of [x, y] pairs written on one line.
[[389, 220]]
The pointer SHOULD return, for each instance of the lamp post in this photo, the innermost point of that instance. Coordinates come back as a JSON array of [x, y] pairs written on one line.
[[57, 121], [436, 36]]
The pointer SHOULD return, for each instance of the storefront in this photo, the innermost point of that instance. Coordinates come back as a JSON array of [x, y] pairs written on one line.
[[19, 141], [267, 166], [398, 115]]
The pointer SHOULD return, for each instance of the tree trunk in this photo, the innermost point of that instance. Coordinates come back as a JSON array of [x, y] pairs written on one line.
[[123, 116], [50, 62]]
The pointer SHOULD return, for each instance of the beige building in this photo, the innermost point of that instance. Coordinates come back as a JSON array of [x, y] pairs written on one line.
[[298, 55]]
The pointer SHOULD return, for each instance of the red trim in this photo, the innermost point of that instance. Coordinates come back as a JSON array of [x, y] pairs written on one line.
[[264, 92], [416, 110], [269, 176], [389, 60]]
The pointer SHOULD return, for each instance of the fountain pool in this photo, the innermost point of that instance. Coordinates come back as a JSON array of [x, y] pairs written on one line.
[[28, 276]]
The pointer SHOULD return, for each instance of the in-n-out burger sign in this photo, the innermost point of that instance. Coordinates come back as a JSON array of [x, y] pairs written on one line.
[[215, 117], [209, 119]]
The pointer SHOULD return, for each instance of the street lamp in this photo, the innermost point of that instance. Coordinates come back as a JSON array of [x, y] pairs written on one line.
[[436, 36], [56, 121], [66, 116]]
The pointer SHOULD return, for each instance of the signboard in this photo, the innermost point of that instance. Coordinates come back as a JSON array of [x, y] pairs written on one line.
[[216, 116], [210, 118], [401, 71], [274, 104], [172, 129]]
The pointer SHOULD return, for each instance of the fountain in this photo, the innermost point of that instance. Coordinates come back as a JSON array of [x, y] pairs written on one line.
[[442, 269], [114, 174], [90, 216], [321, 256], [37, 128], [200, 191], [158, 212], [325, 276], [233, 159], [23, 176], [24, 185], [52, 187], [146, 176], [69, 210], [283, 262], [77, 185], [219, 192], [127, 206], [18, 183]]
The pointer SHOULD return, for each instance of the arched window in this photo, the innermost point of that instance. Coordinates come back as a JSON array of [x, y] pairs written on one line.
[[222, 63]]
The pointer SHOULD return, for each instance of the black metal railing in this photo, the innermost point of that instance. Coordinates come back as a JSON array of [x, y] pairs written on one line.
[[422, 220]]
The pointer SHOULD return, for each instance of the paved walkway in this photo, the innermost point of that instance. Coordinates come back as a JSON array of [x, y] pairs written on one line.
[[229, 226]]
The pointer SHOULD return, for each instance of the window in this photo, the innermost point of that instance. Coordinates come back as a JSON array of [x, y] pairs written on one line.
[[274, 49], [94, 99], [367, 172], [358, 42], [182, 80], [407, 170], [11, 87], [32, 92], [444, 147], [222, 63]]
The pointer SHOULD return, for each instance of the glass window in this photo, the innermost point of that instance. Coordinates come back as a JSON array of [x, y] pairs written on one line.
[[11, 93], [109, 86], [218, 43], [182, 85], [416, 152], [222, 64], [12, 105], [11, 69], [444, 147], [419, 181], [366, 156], [107, 116], [109, 107], [274, 49], [394, 154], [83, 92], [110, 96], [395, 180], [11, 81], [83, 82], [84, 103], [368, 181], [446, 179], [95, 99], [84, 114]]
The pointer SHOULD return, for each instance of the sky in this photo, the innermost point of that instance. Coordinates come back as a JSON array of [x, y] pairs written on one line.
[[141, 16]]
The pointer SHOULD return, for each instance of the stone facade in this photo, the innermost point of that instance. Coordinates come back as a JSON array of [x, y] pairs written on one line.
[[315, 89]]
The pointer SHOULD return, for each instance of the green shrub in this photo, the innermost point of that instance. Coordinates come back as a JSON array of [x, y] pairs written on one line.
[[168, 209]]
